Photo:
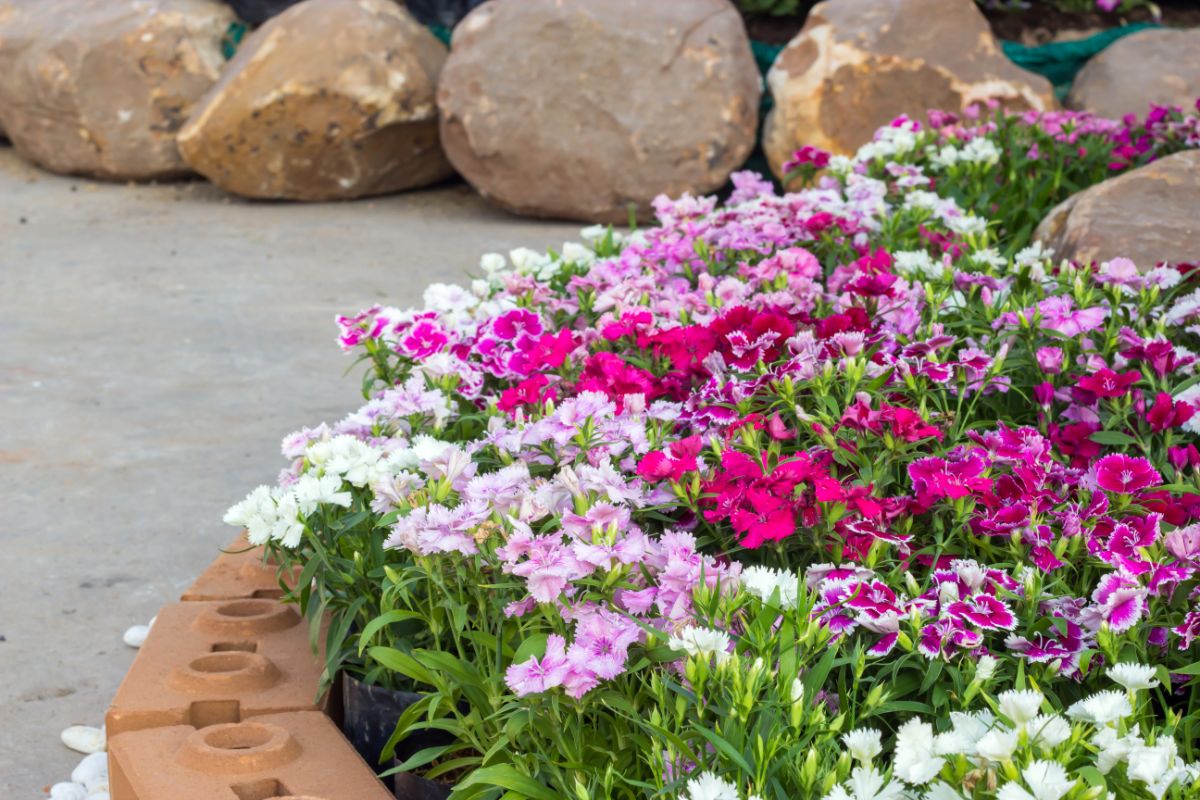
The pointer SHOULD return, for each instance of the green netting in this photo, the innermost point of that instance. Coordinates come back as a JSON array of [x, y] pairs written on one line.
[[233, 37], [1060, 62]]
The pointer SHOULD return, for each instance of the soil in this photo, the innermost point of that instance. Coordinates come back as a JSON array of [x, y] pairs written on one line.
[[1039, 24], [1044, 23]]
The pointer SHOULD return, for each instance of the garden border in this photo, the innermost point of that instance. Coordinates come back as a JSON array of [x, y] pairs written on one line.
[[241, 573]]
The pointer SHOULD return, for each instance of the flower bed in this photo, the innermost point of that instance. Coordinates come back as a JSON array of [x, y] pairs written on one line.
[[732, 506]]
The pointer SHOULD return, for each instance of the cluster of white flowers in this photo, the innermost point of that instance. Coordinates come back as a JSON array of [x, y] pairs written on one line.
[[1022, 733], [979, 150], [278, 513], [764, 582], [918, 263], [702, 643], [707, 786], [889, 143]]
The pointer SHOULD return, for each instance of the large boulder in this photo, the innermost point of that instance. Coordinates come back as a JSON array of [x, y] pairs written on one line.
[[1153, 66], [332, 99], [1149, 215], [100, 87], [17, 30], [579, 109], [858, 64]]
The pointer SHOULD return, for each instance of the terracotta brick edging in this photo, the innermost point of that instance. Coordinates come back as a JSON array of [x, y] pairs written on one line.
[[221, 701]]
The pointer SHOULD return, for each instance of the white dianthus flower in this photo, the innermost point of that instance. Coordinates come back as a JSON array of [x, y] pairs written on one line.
[[257, 513], [967, 730], [577, 253], [944, 157], [701, 642], [1150, 764], [981, 150], [985, 668], [1133, 676], [1048, 730], [998, 744], [764, 582], [866, 783], [492, 262], [914, 761], [967, 225], [449, 299], [708, 786], [1047, 780], [312, 491], [288, 528], [917, 262], [1033, 254], [1101, 708], [526, 261], [988, 257], [864, 744], [1020, 706]]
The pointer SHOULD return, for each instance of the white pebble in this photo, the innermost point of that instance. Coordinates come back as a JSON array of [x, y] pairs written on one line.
[[84, 739], [99, 795], [92, 772], [68, 791], [136, 635]]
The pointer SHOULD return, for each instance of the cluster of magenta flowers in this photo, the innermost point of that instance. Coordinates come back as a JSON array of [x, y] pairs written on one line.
[[861, 401]]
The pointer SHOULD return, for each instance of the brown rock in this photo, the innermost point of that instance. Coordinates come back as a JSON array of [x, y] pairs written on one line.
[[332, 99], [1148, 215], [16, 32], [100, 87], [293, 756], [1158, 66], [859, 64], [578, 108]]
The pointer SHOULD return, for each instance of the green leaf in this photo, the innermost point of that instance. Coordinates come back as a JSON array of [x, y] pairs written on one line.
[[726, 749], [396, 615], [1112, 437], [1190, 669], [533, 646], [507, 777], [406, 665], [815, 679], [1091, 775]]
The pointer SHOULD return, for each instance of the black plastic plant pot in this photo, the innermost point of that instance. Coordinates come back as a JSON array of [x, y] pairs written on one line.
[[414, 787], [256, 12], [446, 13], [369, 717]]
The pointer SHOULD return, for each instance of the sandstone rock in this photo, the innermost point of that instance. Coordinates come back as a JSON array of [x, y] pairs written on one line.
[[100, 87], [15, 35], [858, 64], [332, 99], [1148, 215], [1153, 66], [577, 108]]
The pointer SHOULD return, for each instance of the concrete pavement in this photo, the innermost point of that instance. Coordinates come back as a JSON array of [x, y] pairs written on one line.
[[156, 342]]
